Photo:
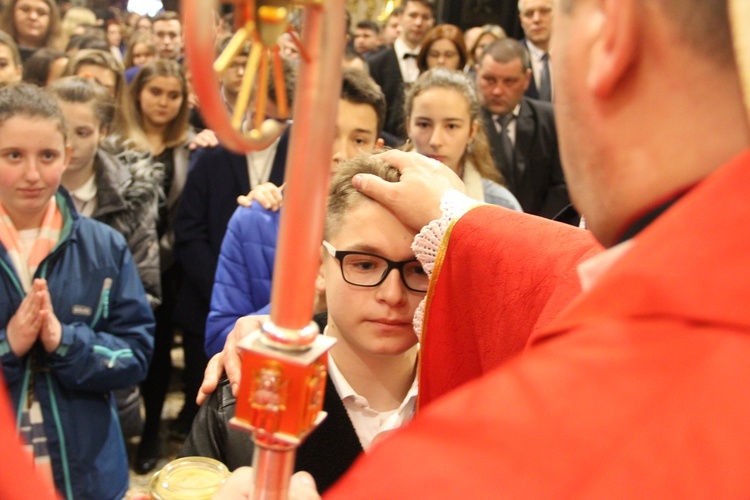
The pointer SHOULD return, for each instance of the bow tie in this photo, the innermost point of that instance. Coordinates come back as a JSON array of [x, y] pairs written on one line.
[[407, 55]]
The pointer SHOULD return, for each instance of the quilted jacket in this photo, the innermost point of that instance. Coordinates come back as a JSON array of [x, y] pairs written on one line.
[[242, 284]]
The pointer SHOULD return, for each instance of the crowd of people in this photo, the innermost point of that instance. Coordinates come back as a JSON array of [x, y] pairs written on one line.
[[576, 347]]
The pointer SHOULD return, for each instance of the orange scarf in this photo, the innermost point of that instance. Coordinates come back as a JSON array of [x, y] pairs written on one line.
[[49, 235]]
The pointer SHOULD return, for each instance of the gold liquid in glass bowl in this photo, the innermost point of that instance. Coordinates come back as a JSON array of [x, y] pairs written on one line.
[[189, 478]]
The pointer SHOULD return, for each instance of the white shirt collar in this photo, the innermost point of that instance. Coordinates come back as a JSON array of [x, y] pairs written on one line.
[[368, 423], [401, 48], [536, 52], [86, 191], [516, 111]]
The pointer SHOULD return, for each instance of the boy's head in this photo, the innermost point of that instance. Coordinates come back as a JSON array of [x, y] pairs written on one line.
[[99, 65], [231, 79], [360, 118], [289, 72], [11, 68], [371, 279], [167, 31], [366, 36]]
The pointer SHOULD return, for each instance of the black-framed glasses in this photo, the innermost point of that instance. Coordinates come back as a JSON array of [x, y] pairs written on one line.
[[369, 270]]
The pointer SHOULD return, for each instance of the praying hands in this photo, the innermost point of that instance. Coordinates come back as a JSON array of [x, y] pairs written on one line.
[[34, 319]]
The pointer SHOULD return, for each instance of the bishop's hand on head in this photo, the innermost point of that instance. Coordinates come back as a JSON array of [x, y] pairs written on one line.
[[415, 199]]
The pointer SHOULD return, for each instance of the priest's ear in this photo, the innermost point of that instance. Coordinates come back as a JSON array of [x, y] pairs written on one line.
[[614, 43]]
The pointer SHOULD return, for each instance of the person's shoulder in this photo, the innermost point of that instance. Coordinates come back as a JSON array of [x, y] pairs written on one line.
[[256, 212], [539, 107], [224, 398], [138, 175], [98, 234], [255, 221], [382, 58], [497, 194], [214, 157]]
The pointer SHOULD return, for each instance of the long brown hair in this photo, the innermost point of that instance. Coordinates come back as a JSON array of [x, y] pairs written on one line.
[[175, 133], [136, 38], [478, 152], [54, 31]]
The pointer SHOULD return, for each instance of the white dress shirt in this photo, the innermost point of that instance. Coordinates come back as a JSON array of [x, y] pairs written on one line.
[[259, 163], [84, 198], [408, 66], [369, 423]]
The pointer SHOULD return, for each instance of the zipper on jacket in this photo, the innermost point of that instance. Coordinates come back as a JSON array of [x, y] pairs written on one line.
[[102, 309], [18, 287], [50, 260], [61, 435], [23, 401]]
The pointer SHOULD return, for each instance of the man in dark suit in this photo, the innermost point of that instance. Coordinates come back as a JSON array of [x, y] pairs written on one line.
[[397, 66], [536, 21], [522, 132], [216, 178]]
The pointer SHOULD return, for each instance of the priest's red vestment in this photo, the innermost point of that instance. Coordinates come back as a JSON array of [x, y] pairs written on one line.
[[638, 388]]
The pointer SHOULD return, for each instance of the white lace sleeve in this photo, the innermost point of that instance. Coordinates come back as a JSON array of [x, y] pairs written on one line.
[[427, 242]]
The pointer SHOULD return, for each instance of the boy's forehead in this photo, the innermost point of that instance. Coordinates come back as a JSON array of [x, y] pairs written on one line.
[[357, 115], [392, 239]]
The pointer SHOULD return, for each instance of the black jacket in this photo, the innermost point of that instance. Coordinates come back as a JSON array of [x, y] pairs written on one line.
[[215, 179], [327, 452], [541, 188]]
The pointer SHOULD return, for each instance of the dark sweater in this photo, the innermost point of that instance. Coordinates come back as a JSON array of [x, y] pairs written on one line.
[[327, 452]]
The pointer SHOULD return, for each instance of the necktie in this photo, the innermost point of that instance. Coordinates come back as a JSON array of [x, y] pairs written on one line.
[[407, 55], [508, 148], [545, 85]]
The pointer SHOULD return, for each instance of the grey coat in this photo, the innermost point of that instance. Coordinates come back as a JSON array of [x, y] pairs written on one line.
[[128, 185]]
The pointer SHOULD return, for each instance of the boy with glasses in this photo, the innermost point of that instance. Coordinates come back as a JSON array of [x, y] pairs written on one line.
[[371, 389]]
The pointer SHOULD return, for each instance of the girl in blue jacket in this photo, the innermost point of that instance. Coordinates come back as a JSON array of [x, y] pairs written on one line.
[[75, 323]]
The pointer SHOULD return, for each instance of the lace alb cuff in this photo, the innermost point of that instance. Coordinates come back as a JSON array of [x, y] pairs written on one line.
[[426, 244]]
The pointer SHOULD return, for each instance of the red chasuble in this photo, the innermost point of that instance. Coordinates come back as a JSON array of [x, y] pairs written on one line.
[[529, 265]]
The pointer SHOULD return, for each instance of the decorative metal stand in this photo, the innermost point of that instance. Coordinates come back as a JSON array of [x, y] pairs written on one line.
[[284, 363]]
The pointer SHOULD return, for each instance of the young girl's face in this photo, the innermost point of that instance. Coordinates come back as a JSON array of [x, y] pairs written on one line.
[[32, 161], [85, 133], [443, 52], [10, 72], [31, 19], [371, 320], [440, 125], [160, 100], [142, 54]]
